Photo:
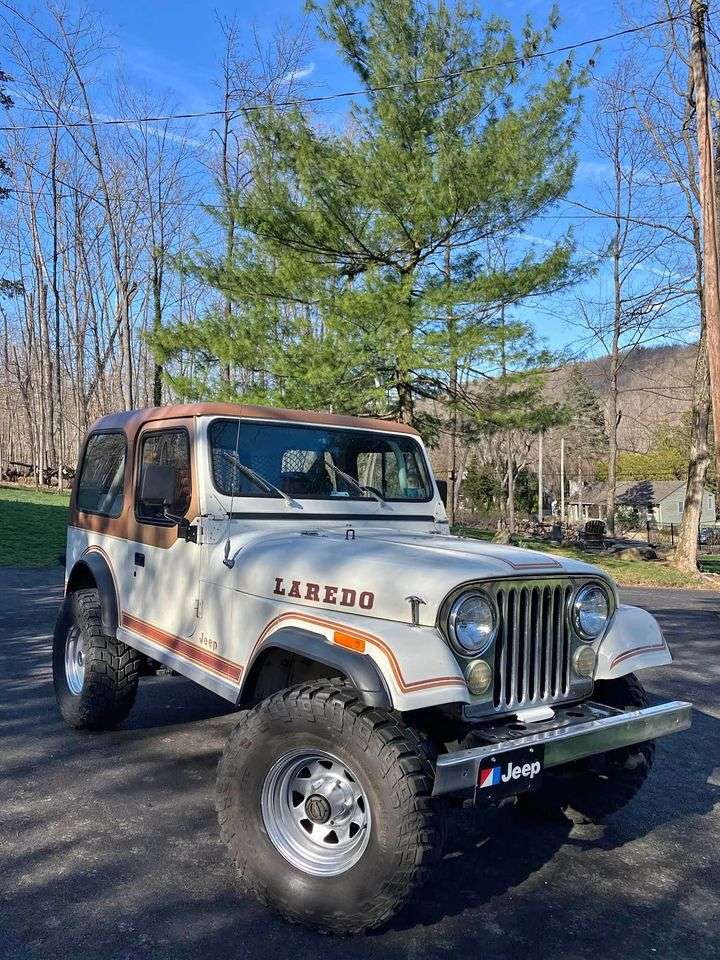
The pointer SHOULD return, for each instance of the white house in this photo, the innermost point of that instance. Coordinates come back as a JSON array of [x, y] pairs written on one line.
[[659, 501]]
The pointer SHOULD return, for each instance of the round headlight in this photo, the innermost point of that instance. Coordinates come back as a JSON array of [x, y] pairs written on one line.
[[472, 624], [591, 609]]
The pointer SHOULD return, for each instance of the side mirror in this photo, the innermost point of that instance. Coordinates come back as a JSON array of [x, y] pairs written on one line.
[[158, 484], [442, 490]]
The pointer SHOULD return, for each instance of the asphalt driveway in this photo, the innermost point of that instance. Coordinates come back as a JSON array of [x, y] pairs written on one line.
[[109, 846]]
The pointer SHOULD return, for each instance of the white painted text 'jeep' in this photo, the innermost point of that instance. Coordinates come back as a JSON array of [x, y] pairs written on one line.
[[300, 565]]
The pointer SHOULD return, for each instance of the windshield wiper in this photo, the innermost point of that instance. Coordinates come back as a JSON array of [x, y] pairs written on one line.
[[353, 483], [259, 480]]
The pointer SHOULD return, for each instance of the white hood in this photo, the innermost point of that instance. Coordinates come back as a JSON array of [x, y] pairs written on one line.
[[375, 573]]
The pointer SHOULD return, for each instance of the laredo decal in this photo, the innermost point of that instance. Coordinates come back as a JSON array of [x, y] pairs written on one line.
[[324, 593]]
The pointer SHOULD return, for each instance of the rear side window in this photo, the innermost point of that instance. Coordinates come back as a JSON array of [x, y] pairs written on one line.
[[100, 488], [170, 447]]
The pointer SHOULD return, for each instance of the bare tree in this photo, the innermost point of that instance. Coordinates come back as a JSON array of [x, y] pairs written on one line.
[[667, 111], [161, 159], [95, 218], [646, 290]]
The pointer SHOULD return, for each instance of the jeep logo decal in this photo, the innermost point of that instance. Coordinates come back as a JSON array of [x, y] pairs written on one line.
[[324, 593]]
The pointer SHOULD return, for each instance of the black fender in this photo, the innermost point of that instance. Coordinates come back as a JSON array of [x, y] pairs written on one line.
[[93, 569], [360, 669]]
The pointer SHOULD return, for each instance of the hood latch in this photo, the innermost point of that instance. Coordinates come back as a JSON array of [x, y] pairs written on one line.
[[415, 603]]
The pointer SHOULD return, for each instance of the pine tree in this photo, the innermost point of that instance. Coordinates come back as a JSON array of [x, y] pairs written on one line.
[[481, 488], [513, 408], [586, 440], [339, 277], [585, 416]]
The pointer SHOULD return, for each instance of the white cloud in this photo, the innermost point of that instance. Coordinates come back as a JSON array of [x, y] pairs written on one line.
[[299, 74], [593, 169], [532, 238]]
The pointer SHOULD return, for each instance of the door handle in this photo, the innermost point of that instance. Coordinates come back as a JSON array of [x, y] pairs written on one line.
[[139, 559]]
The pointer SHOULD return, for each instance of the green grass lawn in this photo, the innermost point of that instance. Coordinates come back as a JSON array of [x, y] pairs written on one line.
[[32, 526], [635, 573], [627, 573]]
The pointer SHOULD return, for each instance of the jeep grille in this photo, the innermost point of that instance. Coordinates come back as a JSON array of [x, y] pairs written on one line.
[[532, 653]]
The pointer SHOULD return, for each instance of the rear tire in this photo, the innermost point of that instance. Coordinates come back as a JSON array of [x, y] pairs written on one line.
[[315, 741], [599, 786], [95, 676]]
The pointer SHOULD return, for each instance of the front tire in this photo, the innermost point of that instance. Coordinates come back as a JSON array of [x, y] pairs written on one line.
[[95, 676], [600, 786], [325, 806]]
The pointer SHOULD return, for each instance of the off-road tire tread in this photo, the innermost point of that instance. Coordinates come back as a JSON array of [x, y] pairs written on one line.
[[407, 758], [112, 668], [587, 793], [625, 692]]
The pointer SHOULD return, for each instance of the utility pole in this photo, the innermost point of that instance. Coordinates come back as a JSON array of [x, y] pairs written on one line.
[[562, 480], [540, 477], [452, 340], [580, 516], [708, 208]]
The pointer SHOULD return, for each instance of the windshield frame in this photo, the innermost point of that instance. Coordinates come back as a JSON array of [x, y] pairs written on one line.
[[335, 501]]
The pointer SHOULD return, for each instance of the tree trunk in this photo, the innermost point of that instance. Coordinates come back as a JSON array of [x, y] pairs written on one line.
[[613, 406], [125, 305], [452, 470], [687, 544], [157, 325], [406, 410], [57, 384], [709, 209], [686, 551], [612, 457], [510, 485]]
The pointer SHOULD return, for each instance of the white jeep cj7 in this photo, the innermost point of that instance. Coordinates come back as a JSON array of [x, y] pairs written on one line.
[[301, 566]]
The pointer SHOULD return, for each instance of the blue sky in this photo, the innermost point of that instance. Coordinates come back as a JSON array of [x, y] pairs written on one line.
[[172, 47]]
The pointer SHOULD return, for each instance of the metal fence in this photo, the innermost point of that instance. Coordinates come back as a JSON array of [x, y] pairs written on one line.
[[554, 531], [708, 537]]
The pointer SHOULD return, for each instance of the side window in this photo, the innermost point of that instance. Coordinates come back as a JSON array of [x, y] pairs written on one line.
[[394, 473], [100, 488], [170, 448]]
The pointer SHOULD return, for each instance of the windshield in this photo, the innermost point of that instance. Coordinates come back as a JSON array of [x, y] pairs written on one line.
[[305, 462]]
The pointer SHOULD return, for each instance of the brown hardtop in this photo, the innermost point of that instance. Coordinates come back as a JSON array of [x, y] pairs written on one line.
[[130, 421]]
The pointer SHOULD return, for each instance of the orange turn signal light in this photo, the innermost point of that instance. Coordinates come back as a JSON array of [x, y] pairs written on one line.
[[348, 641]]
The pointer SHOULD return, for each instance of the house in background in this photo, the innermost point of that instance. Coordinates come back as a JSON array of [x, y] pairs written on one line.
[[661, 502]]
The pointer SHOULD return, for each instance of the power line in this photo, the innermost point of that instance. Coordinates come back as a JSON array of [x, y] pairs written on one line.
[[203, 204], [399, 85]]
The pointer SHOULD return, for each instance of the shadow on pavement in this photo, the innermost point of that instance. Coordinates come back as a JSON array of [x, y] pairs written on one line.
[[109, 844]]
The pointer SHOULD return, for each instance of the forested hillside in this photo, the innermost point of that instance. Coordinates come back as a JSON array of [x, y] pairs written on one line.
[[656, 385]]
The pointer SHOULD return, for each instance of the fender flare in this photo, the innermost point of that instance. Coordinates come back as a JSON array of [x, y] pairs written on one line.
[[360, 669], [633, 642], [99, 569]]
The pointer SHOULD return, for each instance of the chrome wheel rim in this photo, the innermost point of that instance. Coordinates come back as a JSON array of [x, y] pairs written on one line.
[[75, 661], [315, 812]]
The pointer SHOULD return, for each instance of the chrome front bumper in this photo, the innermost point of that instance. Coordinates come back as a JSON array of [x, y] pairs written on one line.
[[571, 739]]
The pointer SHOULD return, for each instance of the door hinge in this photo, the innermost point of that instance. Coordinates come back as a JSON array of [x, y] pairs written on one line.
[[198, 607], [187, 531]]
